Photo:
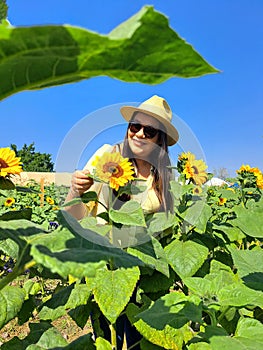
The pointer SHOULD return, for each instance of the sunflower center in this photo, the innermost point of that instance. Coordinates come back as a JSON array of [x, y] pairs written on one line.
[[3, 164], [195, 169], [113, 168]]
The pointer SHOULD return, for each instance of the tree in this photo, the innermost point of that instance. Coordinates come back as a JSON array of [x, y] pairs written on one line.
[[222, 173], [34, 161]]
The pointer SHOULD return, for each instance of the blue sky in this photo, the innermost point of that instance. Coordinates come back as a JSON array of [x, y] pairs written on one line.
[[221, 112]]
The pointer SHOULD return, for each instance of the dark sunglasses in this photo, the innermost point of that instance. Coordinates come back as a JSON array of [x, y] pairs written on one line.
[[149, 131]]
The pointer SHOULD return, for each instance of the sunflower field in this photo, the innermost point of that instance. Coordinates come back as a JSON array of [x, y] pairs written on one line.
[[197, 273]]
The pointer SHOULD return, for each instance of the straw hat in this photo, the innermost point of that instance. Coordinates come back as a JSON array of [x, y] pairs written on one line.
[[159, 109]]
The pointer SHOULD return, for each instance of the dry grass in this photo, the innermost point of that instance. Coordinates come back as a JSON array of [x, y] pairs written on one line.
[[65, 325]]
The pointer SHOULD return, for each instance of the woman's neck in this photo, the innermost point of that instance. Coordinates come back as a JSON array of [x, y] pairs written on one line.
[[143, 168]]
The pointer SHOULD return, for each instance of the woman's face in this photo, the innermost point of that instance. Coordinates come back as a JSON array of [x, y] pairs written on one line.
[[140, 145]]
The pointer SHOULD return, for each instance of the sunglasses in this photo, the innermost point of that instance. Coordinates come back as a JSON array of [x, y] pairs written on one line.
[[149, 131]]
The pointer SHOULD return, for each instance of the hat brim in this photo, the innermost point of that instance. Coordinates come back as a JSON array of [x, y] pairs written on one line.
[[172, 133]]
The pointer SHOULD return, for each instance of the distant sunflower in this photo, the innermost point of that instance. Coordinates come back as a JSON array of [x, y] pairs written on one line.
[[9, 201], [9, 163], [112, 168], [194, 170], [197, 190], [187, 156], [245, 169], [222, 201], [50, 200], [260, 181]]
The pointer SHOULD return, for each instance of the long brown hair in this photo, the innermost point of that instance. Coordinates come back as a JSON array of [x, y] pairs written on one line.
[[162, 175]]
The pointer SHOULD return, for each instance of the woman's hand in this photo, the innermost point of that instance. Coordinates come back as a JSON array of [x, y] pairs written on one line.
[[80, 182]]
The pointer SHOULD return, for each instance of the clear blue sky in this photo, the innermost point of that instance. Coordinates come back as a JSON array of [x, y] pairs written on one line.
[[223, 111]]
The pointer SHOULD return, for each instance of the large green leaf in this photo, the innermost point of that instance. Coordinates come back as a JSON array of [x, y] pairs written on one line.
[[198, 215], [152, 254], [11, 301], [250, 220], [68, 298], [9, 247], [248, 270], [160, 323], [25, 213], [248, 336], [143, 49], [102, 344], [232, 232], [113, 290], [174, 309], [186, 257], [222, 287], [131, 213], [161, 222]]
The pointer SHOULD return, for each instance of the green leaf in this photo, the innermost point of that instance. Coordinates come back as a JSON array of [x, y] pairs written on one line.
[[168, 337], [90, 223], [156, 282], [161, 222], [185, 257], [68, 298], [250, 328], [198, 215], [178, 190], [6, 184], [248, 336], [25, 213], [84, 342], [9, 247], [250, 220], [78, 262], [85, 198], [222, 287], [173, 309], [143, 49], [113, 290], [81, 314], [131, 213], [152, 254], [102, 344], [232, 232], [199, 346], [146, 345], [248, 270], [240, 295], [11, 301]]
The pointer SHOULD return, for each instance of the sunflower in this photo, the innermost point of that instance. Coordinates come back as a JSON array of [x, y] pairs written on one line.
[[222, 200], [50, 200], [245, 170], [112, 168], [9, 201], [187, 156], [260, 182], [194, 170], [9, 163], [197, 190]]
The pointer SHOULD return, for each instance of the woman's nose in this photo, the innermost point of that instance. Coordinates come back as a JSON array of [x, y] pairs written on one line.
[[140, 133]]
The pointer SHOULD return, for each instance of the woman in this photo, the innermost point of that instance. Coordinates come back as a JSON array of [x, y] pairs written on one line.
[[148, 136]]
